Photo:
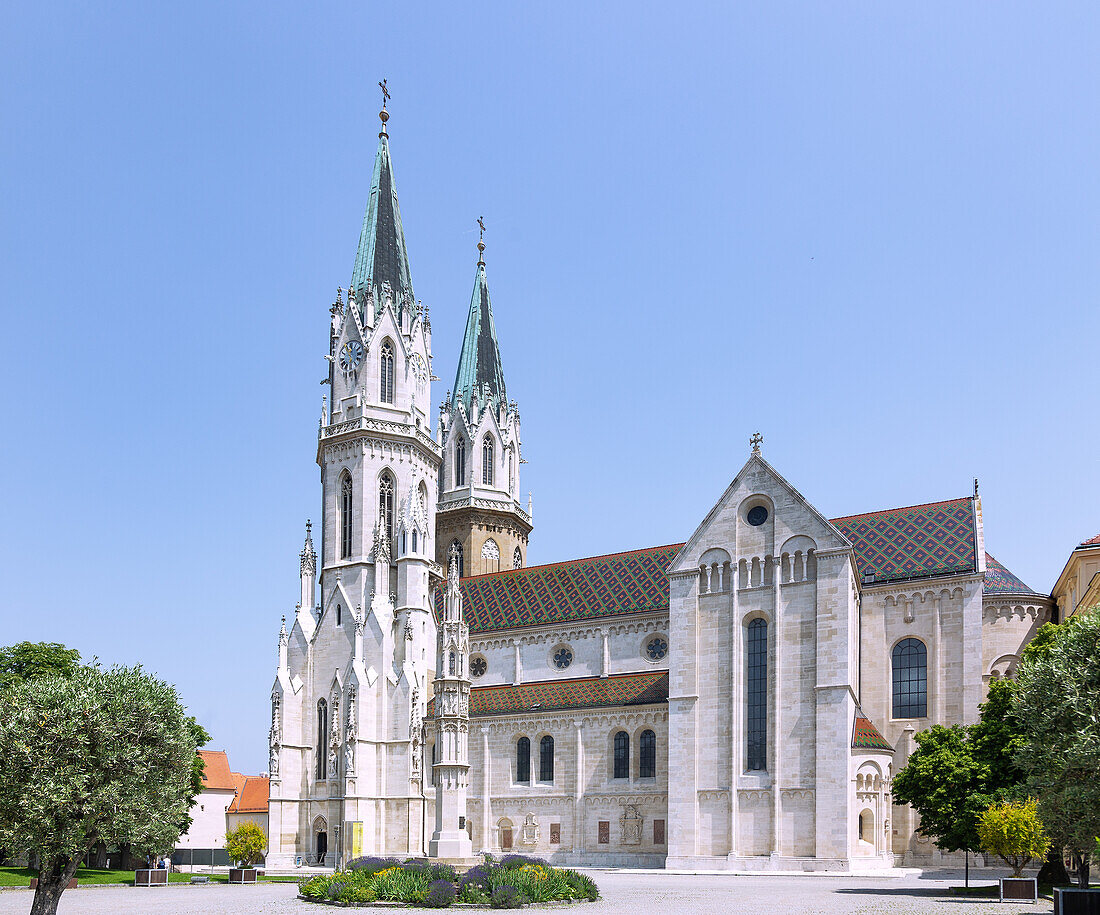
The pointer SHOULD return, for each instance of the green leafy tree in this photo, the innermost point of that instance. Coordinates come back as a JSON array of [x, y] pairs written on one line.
[[1013, 832], [30, 660], [98, 755], [1057, 701], [246, 844]]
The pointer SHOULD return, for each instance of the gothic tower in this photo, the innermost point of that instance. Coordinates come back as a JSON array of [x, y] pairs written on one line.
[[451, 772], [479, 514], [355, 668]]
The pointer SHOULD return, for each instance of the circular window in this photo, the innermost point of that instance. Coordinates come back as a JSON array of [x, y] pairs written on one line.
[[757, 515], [563, 657], [478, 666], [656, 648]]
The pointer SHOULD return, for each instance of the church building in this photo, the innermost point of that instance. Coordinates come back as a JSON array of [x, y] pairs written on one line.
[[436, 695]]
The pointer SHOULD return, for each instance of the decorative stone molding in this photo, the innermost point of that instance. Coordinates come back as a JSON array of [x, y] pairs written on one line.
[[713, 794], [754, 794], [631, 825], [623, 800], [802, 794]]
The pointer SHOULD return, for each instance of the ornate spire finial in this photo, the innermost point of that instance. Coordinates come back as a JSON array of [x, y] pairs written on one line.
[[755, 441], [384, 115], [481, 241], [975, 485]]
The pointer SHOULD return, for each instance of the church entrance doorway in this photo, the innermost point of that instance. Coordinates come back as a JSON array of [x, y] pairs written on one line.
[[320, 830], [505, 835]]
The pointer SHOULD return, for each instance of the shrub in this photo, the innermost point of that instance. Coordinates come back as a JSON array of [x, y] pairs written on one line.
[[334, 890], [510, 861], [440, 894], [583, 887], [246, 844], [371, 865], [506, 896], [1014, 833]]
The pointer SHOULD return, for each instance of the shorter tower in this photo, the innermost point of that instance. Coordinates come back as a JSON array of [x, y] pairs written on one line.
[[451, 772], [478, 516]]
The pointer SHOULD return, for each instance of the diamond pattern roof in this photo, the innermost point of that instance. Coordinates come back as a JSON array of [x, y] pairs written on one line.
[[998, 580], [865, 736], [586, 692], [919, 541]]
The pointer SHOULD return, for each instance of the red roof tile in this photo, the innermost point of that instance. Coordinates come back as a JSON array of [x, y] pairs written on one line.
[[1092, 541], [865, 736], [253, 796], [216, 774]]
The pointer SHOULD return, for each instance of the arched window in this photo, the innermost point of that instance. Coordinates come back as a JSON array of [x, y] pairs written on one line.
[[456, 551], [517, 559], [385, 504], [756, 696], [490, 556], [338, 614], [647, 755], [523, 760], [622, 755], [546, 759], [910, 659], [385, 386], [322, 738], [451, 664], [345, 515], [460, 463], [414, 541], [487, 461]]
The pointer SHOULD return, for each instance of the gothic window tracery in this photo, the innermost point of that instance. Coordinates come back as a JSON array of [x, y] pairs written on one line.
[[322, 738], [647, 755], [460, 463], [385, 504], [910, 679], [487, 462], [490, 554], [478, 666], [622, 755], [756, 695], [386, 373], [656, 649], [563, 657], [345, 514], [517, 559]]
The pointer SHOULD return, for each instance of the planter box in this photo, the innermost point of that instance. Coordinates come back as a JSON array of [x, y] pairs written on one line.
[[151, 877], [1075, 901], [1019, 889], [70, 886], [242, 875]]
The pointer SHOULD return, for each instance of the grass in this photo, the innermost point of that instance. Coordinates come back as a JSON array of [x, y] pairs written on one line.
[[21, 876]]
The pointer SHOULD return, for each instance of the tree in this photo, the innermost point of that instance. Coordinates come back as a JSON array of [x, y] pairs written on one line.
[[30, 660], [1013, 832], [1056, 703], [246, 844], [93, 756]]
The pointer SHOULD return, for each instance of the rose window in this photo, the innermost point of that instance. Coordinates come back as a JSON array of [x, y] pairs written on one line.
[[478, 666], [563, 657], [656, 648]]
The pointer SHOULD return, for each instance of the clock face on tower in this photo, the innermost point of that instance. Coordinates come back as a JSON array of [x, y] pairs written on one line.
[[420, 371], [351, 355]]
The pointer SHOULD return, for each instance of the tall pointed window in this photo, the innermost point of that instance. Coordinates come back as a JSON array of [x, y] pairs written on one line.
[[385, 386], [546, 759], [322, 738], [456, 551], [460, 463], [490, 556], [517, 559], [756, 696], [511, 471], [523, 759], [910, 662], [385, 505], [647, 755], [622, 755], [487, 461], [345, 515]]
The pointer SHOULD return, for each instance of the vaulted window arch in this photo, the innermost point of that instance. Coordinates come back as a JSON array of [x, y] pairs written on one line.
[[322, 738], [345, 514], [622, 755], [756, 695], [385, 373], [546, 759], [460, 463], [647, 755], [523, 759], [910, 679], [487, 461], [385, 504], [490, 556]]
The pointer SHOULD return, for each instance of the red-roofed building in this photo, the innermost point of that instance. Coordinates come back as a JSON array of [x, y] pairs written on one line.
[[1078, 587]]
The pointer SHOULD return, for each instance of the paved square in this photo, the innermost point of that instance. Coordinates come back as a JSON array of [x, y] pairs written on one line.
[[625, 893]]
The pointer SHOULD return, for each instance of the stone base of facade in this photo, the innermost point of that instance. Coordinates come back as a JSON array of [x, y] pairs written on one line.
[[765, 863]]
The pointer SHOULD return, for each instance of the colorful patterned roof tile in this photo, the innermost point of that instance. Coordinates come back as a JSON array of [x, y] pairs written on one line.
[[643, 688], [998, 580], [865, 736], [631, 582], [914, 542]]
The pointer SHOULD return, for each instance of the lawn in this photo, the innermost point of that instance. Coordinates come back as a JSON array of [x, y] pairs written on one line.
[[20, 876]]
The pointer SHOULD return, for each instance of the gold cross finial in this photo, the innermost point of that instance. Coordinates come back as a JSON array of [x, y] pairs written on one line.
[[755, 441], [481, 240], [385, 94]]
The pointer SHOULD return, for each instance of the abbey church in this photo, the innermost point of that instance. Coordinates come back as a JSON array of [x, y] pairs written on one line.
[[739, 700]]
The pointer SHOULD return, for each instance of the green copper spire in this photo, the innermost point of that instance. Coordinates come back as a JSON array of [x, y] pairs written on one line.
[[382, 256], [479, 368]]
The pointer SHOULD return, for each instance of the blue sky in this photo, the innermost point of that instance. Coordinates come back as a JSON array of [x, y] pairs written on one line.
[[867, 230]]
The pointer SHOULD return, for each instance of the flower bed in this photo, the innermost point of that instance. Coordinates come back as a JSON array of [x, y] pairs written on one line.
[[510, 883]]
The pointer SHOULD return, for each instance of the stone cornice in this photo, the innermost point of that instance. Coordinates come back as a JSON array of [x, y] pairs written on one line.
[[500, 506], [349, 429]]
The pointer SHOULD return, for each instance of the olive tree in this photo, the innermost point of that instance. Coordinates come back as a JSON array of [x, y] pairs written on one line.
[[93, 756]]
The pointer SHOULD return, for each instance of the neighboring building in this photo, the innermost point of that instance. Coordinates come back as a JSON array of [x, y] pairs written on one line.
[[217, 809], [1078, 587], [777, 663]]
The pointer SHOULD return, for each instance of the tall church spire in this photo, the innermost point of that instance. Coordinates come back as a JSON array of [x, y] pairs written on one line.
[[479, 367], [382, 256]]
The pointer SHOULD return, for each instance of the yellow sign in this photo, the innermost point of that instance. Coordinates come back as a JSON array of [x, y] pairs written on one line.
[[354, 832]]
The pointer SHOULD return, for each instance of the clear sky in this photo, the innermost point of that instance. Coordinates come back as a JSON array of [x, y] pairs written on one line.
[[867, 230]]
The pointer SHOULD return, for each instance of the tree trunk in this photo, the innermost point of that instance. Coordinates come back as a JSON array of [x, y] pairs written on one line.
[[1083, 872], [52, 881]]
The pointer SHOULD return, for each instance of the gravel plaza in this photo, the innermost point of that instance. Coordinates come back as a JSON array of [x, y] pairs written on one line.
[[624, 892]]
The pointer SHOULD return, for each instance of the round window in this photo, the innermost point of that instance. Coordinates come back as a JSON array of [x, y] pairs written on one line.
[[478, 666], [563, 657], [757, 515], [656, 648]]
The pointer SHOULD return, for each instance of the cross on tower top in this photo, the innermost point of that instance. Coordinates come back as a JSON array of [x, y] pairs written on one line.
[[755, 441], [481, 240], [385, 93]]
